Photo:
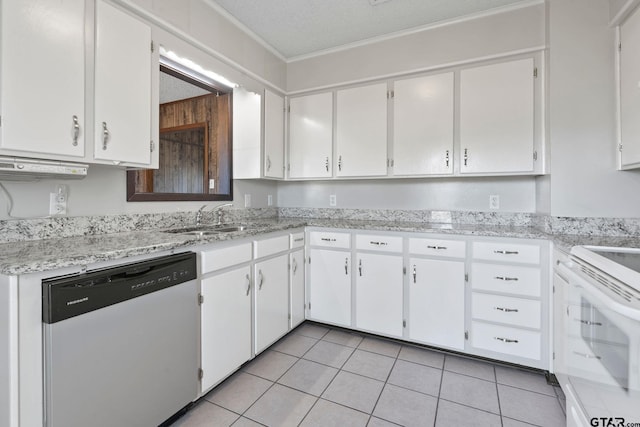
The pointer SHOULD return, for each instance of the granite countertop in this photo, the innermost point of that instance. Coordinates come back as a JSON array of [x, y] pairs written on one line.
[[50, 254]]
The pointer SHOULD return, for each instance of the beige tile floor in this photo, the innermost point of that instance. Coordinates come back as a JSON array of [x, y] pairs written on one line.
[[319, 376]]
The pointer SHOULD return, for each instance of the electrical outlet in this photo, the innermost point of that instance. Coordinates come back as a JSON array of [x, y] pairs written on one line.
[[332, 200], [247, 200], [269, 200], [494, 201], [58, 200]]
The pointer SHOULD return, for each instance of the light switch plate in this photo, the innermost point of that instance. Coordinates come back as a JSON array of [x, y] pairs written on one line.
[[333, 200], [247, 200], [269, 200]]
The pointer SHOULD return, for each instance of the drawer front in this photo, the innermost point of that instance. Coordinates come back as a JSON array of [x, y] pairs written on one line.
[[330, 239], [372, 242], [507, 252], [271, 246], [217, 259], [507, 310], [297, 240], [510, 279], [436, 247], [506, 340]]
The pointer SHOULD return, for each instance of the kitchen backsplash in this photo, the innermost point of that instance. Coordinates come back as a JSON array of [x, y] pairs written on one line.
[[36, 229]]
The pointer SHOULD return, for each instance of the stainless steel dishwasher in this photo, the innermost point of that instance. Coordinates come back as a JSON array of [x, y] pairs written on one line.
[[121, 344]]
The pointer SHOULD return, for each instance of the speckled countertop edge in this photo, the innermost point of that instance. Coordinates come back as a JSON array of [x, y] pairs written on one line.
[[50, 254]]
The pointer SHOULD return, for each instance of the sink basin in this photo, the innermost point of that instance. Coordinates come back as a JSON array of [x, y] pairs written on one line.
[[206, 230]]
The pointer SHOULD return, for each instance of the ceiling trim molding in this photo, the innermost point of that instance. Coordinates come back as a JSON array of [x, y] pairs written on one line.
[[414, 30], [229, 17], [417, 71]]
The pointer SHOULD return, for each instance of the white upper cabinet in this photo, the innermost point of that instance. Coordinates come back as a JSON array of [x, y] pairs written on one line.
[[423, 125], [273, 135], [247, 113], [497, 118], [42, 78], [361, 131], [311, 136], [630, 92], [123, 69]]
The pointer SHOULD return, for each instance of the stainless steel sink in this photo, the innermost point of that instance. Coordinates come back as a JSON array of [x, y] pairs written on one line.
[[206, 230]]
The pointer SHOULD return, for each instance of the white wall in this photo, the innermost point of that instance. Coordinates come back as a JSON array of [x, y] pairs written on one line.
[[584, 180], [517, 194]]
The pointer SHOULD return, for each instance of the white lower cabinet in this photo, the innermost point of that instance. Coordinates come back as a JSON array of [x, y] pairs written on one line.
[[226, 324], [436, 302], [296, 280], [272, 301], [330, 286], [379, 293]]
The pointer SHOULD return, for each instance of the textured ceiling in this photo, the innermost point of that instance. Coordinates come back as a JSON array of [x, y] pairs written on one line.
[[301, 27]]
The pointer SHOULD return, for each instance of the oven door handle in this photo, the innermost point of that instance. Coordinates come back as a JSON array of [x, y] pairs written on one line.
[[566, 270]]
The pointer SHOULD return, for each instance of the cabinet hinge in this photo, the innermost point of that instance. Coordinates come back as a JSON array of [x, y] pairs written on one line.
[[0, 120], [152, 47], [535, 155], [153, 146], [535, 72], [404, 323], [620, 47], [309, 260], [619, 147], [389, 163], [466, 277], [404, 270], [289, 316], [200, 299], [200, 373], [553, 355], [289, 267], [390, 94], [466, 335], [289, 109], [288, 167], [309, 305]]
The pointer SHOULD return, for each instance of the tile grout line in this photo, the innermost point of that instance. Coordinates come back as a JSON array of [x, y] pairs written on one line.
[[435, 419]]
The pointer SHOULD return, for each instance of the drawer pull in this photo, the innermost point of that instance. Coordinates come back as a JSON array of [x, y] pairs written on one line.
[[261, 279], [506, 279], [326, 239], [506, 252], [588, 322], [379, 243], [506, 310], [299, 239], [436, 247], [506, 340], [248, 285], [587, 356]]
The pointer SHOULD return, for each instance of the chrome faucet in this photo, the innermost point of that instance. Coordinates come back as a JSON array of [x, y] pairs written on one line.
[[217, 211]]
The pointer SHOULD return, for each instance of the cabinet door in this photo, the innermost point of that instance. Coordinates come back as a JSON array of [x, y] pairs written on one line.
[[273, 135], [42, 69], [497, 118], [330, 286], [423, 125], [122, 87], [311, 136], [361, 131], [272, 301], [247, 124], [379, 294], [296, 280], [226, 324], [630, 91], [436, 302]]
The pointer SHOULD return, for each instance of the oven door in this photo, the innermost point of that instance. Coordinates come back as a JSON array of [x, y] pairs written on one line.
[[601, 350]]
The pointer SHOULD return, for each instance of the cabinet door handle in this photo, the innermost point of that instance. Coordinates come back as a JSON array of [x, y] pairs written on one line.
[[248, 285], [76, 131], [506, 279], [268, 163], [346, 266], [415, 274], [447, 158], [436, 247], [326, 164], [340, 163], [507, 340], [294, 266], [379, 243], [261, 279], [506, 252], [586, 356], [299, 239], [588, 322], [466, 156], [360, 267], [506, 310], [105, 135], [326, 239]]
